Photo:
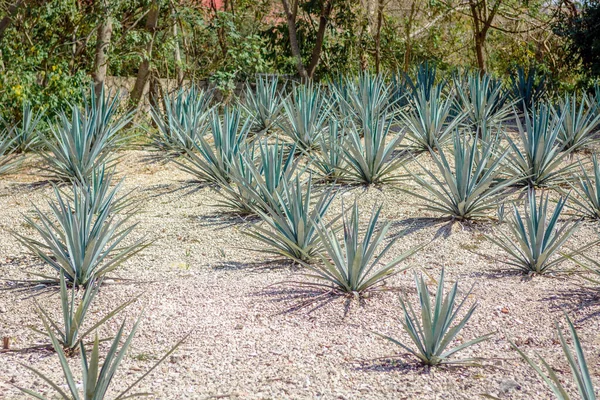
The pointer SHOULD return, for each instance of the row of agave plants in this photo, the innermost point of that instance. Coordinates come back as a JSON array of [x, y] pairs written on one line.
[[358, 135]]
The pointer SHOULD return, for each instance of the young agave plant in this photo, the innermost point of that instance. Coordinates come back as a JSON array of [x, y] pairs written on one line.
[[364, 99], [74, 315], [430, 122], [535, 241], [79, 239], [264, 103], [432, 332], [306, 111], [181, 121], [25, 135], [352, 266], [328, 159], [83, 143], [528, 88], [579, 122], [587, 188], [210, 161], [471, 184], [483, 99], [291, 219], [96, 379], [577, 363], [538, 158], [374, 159]]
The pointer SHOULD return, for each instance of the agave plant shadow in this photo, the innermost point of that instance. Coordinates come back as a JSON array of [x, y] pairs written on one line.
[[27, 187], [388, 364], [255, 266], [224, 219], [585, 300], [411, 225]]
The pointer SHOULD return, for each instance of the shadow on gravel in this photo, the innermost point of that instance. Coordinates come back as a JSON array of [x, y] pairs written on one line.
[[224, 219], [411, 225], [388, 364], [254, 266], [28, 187], [585, 300], [188, 188]]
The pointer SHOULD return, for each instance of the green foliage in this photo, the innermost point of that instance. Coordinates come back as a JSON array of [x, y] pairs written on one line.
[[181, 120], [535, 241], [264, 103], [328, 158], [74, 315], [306, 112], [352, 266], [374, 159], [579, 122], [210, 160], [429, 119], [96, 379], [538, 160], [577, 364], [26, 135], [79, 238], [80, 145], [483, 99], [433, 332], [471, 183], [292, 219]]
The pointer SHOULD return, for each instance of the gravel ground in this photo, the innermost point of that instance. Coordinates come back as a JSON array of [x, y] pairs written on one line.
[[249, 338]]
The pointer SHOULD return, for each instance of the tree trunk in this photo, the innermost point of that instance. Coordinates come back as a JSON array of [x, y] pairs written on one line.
[[144, 70], [380, 8], [316, 53], [177, 51], [104, 36], [479, 51], [7, 19], [291, 23]]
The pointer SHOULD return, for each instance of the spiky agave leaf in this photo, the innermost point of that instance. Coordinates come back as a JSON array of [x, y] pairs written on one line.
[[528, 87], [9, 161], [372, 160], [328, 159], [264, 103], [211, 157], [352, 265], [306, 112], [74, 314], [425, 81], [25, 134], [538, 157], [483, 99], [433, 332], [429, 121], [96, 379], [577, 363], [472, 181], [587, 188], [76, 240], [579, 121], [535, 241], [291, 217], [181, 121]]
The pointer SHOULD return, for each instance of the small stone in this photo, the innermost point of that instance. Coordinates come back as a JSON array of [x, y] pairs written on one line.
[[508, 385]]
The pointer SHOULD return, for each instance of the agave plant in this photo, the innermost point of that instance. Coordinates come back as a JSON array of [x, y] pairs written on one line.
[[587, 188], [578, 122], [291, 219], [74, 315], [352, 266], [535, 241], [365, 99], [433, 332], [25, 135], [264, 103], [8, 160], [577, 363], [83, 143], [539, 157], [483, 99], [528, 87], [306, 113], [78, 241], [210, 161], [424, 82], [471, 183], [259, 177], [430, 122], [181, 121], [374, 159], [328, 159], [96, 379]]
